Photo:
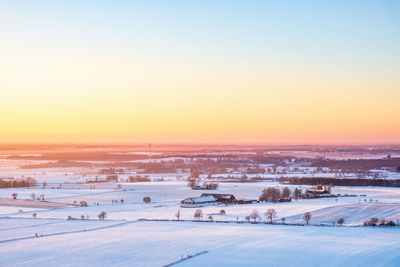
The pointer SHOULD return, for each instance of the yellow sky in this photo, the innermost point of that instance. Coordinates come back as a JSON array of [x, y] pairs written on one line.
[[166, 77]]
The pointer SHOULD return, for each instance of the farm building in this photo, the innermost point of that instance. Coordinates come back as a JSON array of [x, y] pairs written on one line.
[[319, 190], [199, 200], [208, 198], [245, 201], [223, 198]]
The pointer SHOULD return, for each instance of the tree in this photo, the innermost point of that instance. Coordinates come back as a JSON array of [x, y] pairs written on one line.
[[14, 195], [210, 217], [146, 199], [270, 194], [254, 215], [33, 196], [222, 212], [44, 185], [297, 193], [340, 221], [271, 214], [307, 217], [34, 215], [178, 214], [286, 193], [194, 173], [283, 219], [83, 203], [102, 215], [198, 214]]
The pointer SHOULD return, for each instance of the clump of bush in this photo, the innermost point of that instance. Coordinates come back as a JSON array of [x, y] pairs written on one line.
[[381, 222]]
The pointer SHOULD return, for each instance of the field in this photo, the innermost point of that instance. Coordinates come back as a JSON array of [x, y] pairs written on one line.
[[57, 230]]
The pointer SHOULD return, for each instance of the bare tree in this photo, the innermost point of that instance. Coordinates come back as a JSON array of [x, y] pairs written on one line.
[[307, 217], [198, 214], [340, 221], [270, 214], [102, 215], [286, 193], [178, 214], [254, 215], [297, 193]]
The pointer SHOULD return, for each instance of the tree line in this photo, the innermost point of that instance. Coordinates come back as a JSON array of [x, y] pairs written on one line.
[[340, 182]]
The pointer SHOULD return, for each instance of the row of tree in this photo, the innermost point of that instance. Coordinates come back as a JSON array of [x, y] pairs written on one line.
[[341, 182], [28, 182], [275, 194]]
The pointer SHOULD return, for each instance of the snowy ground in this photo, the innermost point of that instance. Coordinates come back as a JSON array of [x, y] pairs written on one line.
[[162, 243], [122, 240]]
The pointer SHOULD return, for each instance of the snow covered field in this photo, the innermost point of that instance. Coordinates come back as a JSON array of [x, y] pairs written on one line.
[[42, 235], [162, 243]]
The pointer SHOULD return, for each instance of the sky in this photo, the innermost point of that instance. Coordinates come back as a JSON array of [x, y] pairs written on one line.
[[240, 72]]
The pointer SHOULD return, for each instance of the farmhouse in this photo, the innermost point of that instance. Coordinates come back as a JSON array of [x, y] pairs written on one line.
[[245, 201], [199, 200], [209, 198], [320, 190]]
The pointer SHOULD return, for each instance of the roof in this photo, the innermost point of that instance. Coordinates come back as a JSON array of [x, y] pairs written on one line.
[[202, 199], [218, 196]]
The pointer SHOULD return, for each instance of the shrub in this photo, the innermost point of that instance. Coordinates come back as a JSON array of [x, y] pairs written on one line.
[[198, 214], [307, 217]]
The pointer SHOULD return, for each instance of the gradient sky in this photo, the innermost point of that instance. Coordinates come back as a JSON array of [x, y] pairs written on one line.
[[200, 71]]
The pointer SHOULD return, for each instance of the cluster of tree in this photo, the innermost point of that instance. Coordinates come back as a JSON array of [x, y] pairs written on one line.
[[18, 183], [255, 170], [274, 194], [379, 222], [116, 201], [138, 178], [57, 164], [194, 184], [357, 165], [112, 177], [34, 197], [341, 182], [111, 171], [270, 215]]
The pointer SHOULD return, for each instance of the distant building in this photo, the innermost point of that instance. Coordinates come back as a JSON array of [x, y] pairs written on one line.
[[224, 198], [319, 190], [208, 198], [199, 200]]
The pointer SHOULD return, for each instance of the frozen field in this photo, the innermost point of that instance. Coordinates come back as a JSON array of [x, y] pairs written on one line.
[[161, 243], [35, 233]]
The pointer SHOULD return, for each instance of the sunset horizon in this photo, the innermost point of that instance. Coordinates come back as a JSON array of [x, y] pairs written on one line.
[[174, 73]]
